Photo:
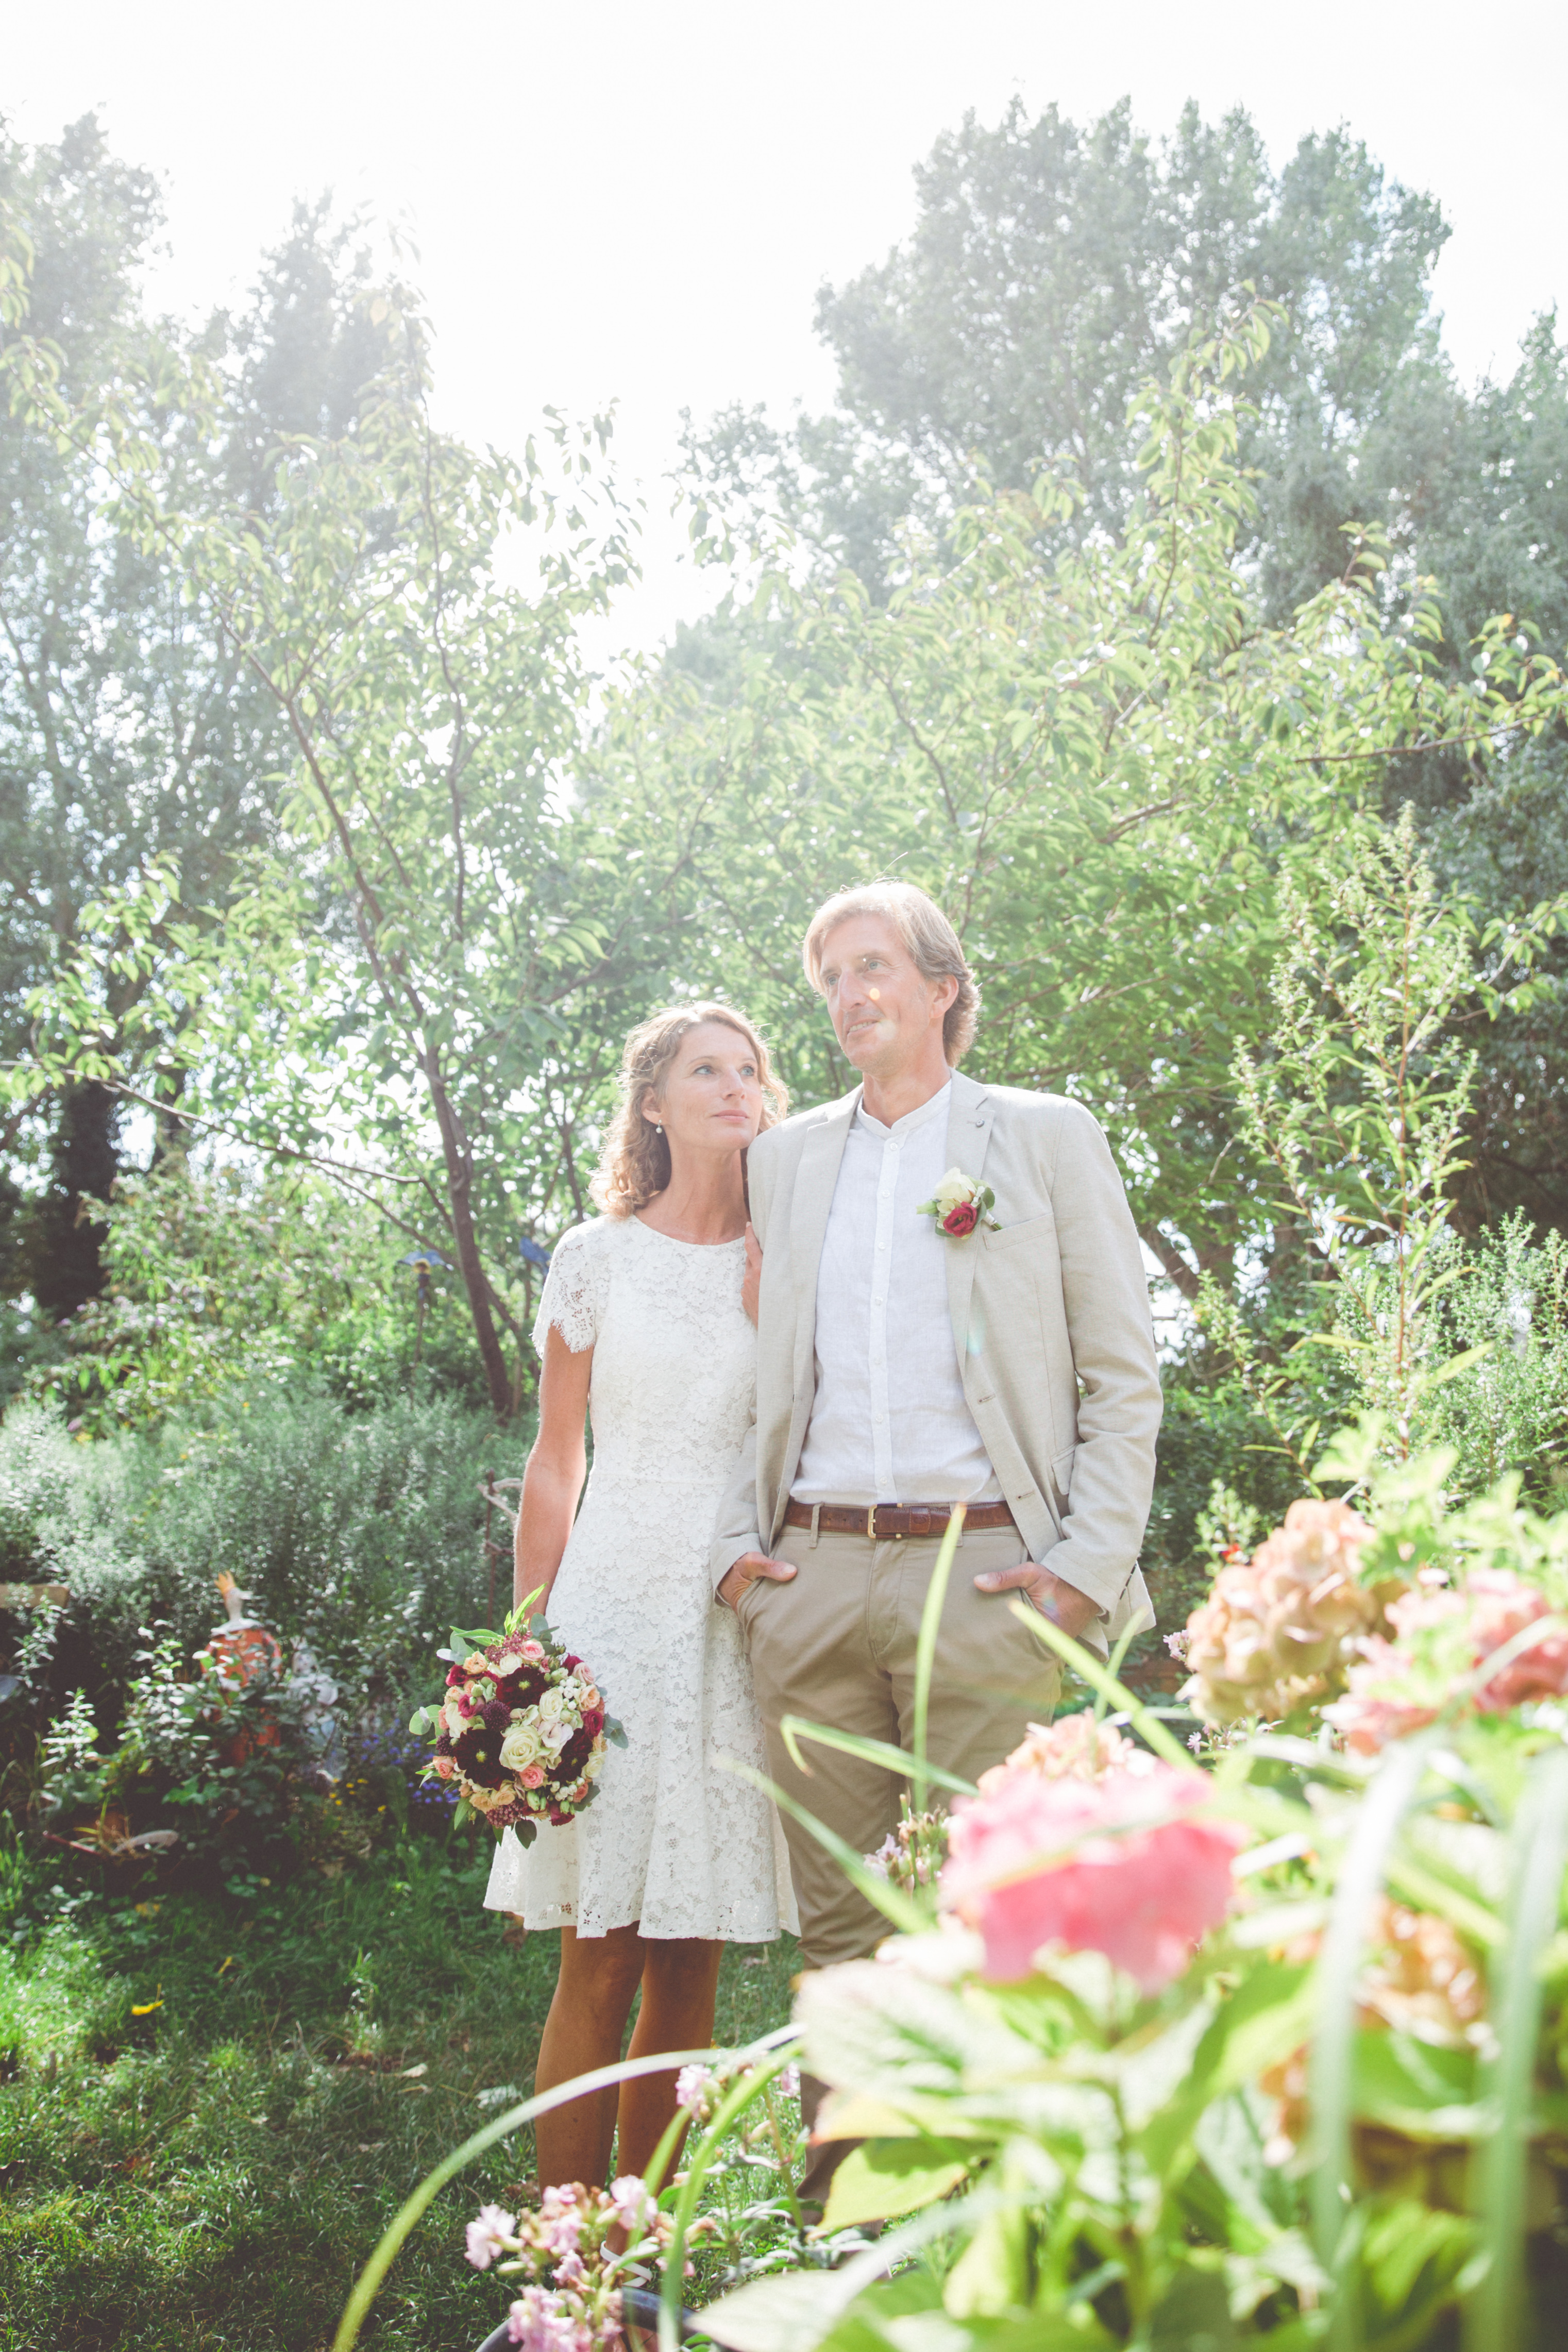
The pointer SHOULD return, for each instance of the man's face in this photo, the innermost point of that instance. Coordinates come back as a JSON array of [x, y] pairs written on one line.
[[883, 1009]]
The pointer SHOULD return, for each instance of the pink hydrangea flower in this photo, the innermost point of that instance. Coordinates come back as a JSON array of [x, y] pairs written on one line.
[[1119, 1865], [489, 2236], [1503, 1607]]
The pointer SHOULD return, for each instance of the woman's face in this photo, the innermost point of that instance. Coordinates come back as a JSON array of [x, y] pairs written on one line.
[[712, 1098]]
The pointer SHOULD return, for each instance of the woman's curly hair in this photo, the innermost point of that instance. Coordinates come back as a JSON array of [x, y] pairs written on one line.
[[635, 1165]]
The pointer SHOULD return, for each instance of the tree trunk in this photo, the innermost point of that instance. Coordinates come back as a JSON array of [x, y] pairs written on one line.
[[63, 1240], [459, 1180]]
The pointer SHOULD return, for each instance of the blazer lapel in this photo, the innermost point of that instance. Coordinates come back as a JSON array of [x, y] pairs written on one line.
[[815, 1179], [970, 1116]]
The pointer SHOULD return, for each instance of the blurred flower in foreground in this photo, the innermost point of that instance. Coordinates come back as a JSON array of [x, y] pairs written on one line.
[[1278, 1632], [1442, 1637], [1074, 1747], [1117, 1865]]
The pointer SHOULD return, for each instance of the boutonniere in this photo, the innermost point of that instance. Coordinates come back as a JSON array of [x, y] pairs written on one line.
[[960, 1204]]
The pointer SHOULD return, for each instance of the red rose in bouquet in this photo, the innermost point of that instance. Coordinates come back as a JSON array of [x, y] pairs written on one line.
[[522, 1728]]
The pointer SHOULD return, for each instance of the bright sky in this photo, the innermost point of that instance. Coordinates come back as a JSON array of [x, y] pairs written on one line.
[[637, 202]]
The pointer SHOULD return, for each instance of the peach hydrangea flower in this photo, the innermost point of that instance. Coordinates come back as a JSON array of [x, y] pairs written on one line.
[[1117, 1863]]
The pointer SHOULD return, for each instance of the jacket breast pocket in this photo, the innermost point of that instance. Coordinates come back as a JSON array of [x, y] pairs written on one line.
[[1031, 1229]]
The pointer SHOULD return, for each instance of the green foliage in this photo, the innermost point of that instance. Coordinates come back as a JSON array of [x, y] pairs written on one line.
[[356, 1533], [1053, 269], [222, 1275]]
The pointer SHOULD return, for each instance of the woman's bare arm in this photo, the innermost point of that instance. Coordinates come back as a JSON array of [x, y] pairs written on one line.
[[553, 1478]]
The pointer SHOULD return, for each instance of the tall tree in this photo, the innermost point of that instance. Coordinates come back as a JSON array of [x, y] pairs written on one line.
[[129, 730], [1051, 271]]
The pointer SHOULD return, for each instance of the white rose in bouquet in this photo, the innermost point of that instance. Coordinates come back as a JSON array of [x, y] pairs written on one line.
[[520, 1747], [552, 1703]]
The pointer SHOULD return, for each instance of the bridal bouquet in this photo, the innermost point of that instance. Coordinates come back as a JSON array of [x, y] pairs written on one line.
[[522, 1728]]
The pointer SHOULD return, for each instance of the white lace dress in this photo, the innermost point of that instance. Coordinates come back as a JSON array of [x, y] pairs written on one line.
[[671, 1838]]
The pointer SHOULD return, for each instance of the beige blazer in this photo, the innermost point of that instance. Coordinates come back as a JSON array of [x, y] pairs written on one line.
[[1050, 1321]]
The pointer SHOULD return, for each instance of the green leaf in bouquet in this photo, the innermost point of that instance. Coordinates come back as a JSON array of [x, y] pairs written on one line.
[[421, 1720], [524, 1832], [463, 1813], [885, 2177], [464, 1643], [538, 1626], [614, 1733]]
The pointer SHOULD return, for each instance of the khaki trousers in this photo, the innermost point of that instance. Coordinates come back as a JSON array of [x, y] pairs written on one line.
[[837, 1645]]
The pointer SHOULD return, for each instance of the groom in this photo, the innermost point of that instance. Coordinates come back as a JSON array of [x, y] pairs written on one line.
[[901, 1369]]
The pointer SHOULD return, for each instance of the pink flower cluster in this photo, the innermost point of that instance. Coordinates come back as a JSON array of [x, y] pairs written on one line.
[[1115, 1860], [572, 2302], [1443, 1637], [1278, 1631]]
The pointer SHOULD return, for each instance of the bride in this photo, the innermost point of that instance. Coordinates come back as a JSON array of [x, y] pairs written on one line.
[[643, 1324]]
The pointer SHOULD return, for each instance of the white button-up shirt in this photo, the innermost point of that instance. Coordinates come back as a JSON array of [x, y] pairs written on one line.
[[889, 1423]]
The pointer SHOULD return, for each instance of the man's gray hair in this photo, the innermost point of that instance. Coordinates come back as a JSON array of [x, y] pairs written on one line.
[[932, 942]]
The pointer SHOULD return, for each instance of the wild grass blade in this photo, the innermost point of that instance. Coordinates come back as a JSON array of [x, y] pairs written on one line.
[[1497, 2317], [1125, 1639], [731, 2106], [795, 1728], [1144, 1721], [904, 1914], [1389, 1796], [925, 1654]]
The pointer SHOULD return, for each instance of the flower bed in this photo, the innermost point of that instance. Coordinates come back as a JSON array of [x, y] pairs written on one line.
[[1274, 2049]]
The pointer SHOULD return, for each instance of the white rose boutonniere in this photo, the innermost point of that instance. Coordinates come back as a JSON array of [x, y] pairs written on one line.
[[960, 1205]]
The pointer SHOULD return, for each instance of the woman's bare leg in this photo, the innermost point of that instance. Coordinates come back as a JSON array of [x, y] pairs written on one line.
[[680, 1981], [593, 1995]]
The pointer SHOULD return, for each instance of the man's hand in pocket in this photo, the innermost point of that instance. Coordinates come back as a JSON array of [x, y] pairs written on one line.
[[1051, 1595], [746, 1569]]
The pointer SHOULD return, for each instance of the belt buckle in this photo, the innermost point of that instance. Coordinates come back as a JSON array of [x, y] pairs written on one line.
[[871, 1521]]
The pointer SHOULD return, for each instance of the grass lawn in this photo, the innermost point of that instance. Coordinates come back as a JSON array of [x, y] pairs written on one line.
[[205, 2122]]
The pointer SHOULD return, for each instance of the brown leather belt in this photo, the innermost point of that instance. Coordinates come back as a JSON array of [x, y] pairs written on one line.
[[886, 1522]]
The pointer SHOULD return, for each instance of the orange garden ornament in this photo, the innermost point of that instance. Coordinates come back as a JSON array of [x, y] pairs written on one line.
[[240, 1650]]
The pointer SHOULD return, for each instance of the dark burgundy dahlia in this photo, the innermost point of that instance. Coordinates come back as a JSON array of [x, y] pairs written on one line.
[[478, 1756]]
